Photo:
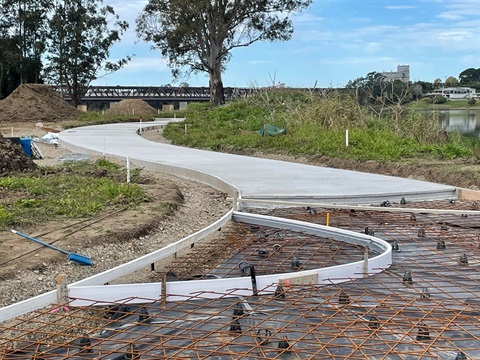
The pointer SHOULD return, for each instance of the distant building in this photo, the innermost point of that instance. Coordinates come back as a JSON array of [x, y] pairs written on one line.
[[402, 73], [455, 93]]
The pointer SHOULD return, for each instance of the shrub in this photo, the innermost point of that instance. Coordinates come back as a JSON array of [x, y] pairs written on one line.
[[439, 99], [471, 101]]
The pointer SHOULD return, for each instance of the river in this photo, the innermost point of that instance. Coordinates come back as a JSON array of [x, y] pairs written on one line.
[[465, 121]]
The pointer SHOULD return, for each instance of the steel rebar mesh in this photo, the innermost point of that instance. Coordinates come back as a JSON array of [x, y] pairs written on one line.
[[432, 313]]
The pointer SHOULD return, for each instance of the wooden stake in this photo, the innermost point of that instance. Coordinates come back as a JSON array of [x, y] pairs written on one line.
[[62, 290], [163, 296]]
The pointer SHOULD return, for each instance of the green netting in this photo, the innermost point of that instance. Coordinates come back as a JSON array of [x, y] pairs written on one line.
[[271, 130]]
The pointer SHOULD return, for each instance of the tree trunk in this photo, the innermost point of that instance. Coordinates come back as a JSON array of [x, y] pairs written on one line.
[[217, 96], [2, 72]]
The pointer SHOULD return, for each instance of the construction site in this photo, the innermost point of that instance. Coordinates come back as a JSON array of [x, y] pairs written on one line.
[[423, 306], [390, 280]]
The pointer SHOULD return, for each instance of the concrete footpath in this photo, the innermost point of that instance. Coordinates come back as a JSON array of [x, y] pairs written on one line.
[[255, 178]]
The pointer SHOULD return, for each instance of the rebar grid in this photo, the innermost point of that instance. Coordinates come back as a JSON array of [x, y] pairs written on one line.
[[270, 251], [425, 306]]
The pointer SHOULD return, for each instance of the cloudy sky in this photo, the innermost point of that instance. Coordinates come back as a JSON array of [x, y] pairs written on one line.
[[334, 41]]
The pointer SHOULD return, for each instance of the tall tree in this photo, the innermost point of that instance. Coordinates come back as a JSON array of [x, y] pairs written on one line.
[[470, 77], [198, 35], [23, 25], [80, 38], [451, 81], [369, 89], [437, 83]]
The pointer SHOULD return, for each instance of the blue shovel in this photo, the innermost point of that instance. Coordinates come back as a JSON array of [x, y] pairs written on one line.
[[79, 259]]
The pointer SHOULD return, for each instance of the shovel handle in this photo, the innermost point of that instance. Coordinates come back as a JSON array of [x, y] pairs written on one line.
[[39, 241]]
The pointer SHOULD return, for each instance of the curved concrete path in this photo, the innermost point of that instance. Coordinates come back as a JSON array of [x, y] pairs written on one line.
[[255, 178]]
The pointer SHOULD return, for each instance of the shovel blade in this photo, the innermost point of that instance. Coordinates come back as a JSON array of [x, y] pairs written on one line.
[[80, 259]]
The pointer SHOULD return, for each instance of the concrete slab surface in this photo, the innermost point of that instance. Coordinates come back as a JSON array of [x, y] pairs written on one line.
[[255, 178]]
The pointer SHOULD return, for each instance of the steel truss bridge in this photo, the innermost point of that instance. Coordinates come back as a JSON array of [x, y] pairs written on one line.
[[154, 93]]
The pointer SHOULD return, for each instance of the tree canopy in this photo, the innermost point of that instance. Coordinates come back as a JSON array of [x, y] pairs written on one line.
[[470, 77], [198, 35], [80, 37], [451, 81], [23, 27], [64, 41]]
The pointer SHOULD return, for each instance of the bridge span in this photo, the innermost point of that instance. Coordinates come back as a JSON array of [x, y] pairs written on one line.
[[154, 93]]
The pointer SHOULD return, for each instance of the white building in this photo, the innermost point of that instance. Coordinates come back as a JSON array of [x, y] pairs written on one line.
[[455, 93], [402, 73]]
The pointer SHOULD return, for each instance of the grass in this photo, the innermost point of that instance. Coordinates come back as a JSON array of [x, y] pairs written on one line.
[[97, 118], [75, 190], [316, 126], [450, 104]]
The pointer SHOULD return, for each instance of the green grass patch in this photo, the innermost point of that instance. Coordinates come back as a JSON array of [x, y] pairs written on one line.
[[75, 190], [423, 104], [98, 118]]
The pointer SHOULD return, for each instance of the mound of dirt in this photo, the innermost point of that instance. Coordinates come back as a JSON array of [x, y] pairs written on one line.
[[134, 107], [13, 158], [35, 103]]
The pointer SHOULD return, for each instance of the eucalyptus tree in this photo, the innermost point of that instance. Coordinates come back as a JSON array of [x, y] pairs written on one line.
[[199, 35], [81, 35], [9, 70]]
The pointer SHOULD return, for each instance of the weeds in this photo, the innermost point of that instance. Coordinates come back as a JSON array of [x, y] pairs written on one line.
[[316, 124]]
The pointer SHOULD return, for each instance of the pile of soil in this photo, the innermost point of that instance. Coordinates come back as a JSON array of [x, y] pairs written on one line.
[[134, 107], [35, 103], [13, 159]]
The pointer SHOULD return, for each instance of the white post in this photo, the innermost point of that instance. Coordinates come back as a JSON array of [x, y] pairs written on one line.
[[133, 112], [365, 261], [128, 170], [346, 137], [104, 147], [12, 131], [140, 125]]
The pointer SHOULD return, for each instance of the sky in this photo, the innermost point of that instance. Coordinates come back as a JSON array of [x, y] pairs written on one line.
[[334, 41]]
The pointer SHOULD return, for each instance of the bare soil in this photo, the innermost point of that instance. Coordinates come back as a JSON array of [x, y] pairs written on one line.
[[34, 103], [133, 107]]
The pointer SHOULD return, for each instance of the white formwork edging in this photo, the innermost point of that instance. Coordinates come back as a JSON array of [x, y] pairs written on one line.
[[242, 286]]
